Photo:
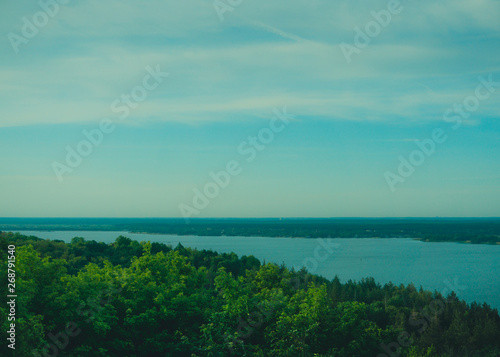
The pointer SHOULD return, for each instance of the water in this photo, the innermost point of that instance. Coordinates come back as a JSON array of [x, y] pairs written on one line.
[[470, 270]]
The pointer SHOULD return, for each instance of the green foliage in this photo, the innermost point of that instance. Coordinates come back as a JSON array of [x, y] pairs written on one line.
[[147, 299]]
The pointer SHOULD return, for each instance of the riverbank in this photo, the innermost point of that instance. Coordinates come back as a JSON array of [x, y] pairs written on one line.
[[463, 230]]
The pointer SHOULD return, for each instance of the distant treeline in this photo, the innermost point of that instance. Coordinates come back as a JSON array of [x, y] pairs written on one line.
[[127, 298], [433, 230]]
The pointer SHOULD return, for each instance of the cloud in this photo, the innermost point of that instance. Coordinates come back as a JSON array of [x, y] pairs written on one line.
[[278, 32], [260, 57]]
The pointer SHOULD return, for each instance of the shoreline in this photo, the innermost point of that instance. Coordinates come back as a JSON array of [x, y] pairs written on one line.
[[424, 240]]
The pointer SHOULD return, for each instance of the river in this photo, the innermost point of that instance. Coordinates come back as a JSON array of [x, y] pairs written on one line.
[[472, 271]]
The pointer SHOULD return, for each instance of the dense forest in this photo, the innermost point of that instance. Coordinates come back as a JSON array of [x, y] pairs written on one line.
[[148, 299], [466, 230]]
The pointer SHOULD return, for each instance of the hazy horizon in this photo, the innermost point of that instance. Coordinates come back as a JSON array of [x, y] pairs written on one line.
[[265, 218]]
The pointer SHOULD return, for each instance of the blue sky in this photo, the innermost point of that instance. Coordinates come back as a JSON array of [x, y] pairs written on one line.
[[350, 123]]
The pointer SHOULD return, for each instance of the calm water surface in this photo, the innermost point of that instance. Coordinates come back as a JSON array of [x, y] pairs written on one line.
[[471, 270]]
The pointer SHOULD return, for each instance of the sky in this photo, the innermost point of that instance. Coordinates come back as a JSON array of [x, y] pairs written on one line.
[[250, 108]]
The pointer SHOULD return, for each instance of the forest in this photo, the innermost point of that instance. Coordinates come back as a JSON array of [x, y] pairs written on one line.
[[464, 230], [127, 298]]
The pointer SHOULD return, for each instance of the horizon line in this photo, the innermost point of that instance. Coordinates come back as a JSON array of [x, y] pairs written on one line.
[[277, 218]]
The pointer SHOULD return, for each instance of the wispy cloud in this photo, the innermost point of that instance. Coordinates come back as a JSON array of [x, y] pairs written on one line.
[[278, 32]]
